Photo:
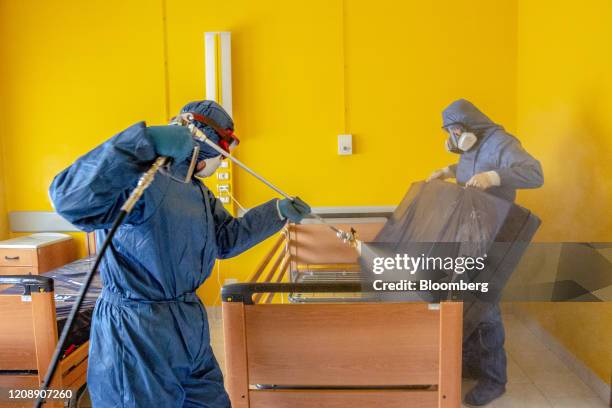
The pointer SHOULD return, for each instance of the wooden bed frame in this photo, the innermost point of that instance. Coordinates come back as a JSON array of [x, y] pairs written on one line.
[[336, 355], [342, 354], [28, 336]]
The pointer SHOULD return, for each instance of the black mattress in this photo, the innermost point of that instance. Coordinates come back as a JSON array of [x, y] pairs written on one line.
[[68, 281], [440, 219]]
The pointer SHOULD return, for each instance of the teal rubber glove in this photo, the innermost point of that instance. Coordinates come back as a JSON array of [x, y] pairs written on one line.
[[294, 210], [171, 141]]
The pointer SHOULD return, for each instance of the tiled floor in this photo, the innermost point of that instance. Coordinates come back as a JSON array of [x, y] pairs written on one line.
[[537, 378]]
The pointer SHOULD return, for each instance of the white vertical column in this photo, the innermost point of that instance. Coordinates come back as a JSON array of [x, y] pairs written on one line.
[[226, 71], [218, 58], [218, 75], [210, 59]]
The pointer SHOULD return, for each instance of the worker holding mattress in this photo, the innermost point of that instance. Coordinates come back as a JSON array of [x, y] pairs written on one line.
[[150, 344], [493, 160]]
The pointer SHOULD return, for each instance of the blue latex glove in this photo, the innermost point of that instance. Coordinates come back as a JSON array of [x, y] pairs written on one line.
[[171, 141], [294, 210]]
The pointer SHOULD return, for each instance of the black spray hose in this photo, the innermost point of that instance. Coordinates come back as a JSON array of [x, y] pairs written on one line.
[[144, 182]]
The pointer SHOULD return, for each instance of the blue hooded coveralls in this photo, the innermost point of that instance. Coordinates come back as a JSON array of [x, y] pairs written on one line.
[[150, 344], [501, 152]]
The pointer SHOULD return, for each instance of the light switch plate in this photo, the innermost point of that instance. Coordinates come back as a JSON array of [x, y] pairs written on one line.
[[345, 144]]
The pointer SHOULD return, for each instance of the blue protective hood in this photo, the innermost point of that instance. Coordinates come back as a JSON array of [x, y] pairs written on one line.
[[214, 111], [466, 113]]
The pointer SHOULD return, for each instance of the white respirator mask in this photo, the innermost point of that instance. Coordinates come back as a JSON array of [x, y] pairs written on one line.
[[212, 165], [462, 143]]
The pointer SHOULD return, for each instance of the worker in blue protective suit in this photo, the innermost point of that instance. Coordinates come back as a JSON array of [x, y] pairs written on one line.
[[150, 343], [493, 160]]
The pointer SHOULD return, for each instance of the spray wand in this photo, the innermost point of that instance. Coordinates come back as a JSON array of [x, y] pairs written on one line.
[[348, 237]]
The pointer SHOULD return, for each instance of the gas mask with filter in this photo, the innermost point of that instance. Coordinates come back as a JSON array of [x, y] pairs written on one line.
[[459, 140]]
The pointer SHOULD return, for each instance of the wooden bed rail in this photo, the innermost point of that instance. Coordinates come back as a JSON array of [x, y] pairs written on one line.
[[341, 355], [308, 247], [276, 270]]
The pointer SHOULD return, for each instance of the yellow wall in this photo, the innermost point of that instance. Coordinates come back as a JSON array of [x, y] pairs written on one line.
[[3, 212], [405, 62], [77, 73], [564, 104], [403, 65], [3, 101], [74, 73]]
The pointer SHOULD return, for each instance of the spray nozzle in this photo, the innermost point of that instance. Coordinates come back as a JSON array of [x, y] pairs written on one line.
[[349, 238]]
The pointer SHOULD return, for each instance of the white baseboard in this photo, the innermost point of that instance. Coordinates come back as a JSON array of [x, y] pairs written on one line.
[[39, 221]]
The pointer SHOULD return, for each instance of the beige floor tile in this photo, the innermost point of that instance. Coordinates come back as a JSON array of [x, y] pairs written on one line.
[[556, 385], [516, 375], [517, 395], [521, 395], [519, 338], [577, 402], [216, 341], [540, 361]]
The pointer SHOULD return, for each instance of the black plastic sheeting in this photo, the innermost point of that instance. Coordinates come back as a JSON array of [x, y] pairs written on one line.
[[68, 281], [440, 219]]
